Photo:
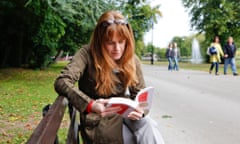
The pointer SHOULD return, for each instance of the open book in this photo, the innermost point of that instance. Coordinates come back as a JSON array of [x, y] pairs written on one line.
[[143, 99]]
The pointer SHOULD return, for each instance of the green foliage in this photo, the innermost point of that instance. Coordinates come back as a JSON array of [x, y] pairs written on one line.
[[50, 31], [36, 30], [139, 47], [213, 17], [141, 16], [80, 17], [161, 53], [149, 48], [182, 43], [185, 44], [47, 38]]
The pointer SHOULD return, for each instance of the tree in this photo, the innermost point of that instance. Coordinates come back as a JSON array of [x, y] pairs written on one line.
[[69, 25], [80, 17], [149, 48], [14, 34], [35, 30], [215, 17], [185, 44], [180, 43], [142, 17]]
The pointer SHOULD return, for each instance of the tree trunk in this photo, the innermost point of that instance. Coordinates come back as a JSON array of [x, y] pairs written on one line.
[[58, 55]]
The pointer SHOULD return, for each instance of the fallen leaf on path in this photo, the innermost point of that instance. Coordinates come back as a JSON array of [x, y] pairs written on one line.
[[28, 126]]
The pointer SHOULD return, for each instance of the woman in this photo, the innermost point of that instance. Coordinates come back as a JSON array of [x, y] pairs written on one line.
[[169, 56], [215, 55], [107, 68]]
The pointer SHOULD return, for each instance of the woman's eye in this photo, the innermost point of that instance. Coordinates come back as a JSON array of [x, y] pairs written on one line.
[[121, 41], [110, 42]]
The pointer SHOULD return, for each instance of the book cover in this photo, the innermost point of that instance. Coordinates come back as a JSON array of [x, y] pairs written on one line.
[[143, 99]]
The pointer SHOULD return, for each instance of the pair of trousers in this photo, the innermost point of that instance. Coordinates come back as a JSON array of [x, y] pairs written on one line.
[[212, 66], [170, 65], [230, 61], [144, 131], [175, 66]]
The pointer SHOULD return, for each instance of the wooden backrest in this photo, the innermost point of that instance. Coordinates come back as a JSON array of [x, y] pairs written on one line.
[[46, 131]]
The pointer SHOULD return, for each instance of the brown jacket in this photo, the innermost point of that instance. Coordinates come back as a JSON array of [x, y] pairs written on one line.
[[94, 128]]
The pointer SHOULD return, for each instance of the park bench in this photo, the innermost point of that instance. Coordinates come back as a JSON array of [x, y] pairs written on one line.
[[46, 131]]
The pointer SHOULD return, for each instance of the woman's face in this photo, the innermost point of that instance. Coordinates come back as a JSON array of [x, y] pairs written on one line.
[[115, 46]]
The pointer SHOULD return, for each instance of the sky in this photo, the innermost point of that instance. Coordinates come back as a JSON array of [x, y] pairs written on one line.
[[175, 22]]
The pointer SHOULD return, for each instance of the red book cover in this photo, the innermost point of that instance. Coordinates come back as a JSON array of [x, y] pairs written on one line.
[[143, 99]]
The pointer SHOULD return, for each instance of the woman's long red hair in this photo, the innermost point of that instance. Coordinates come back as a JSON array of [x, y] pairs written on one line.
[[104, 65]]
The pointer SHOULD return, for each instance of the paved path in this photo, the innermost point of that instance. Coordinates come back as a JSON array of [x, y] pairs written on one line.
[[193, 107]]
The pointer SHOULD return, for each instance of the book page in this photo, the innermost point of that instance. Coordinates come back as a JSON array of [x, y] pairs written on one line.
[[143, 99], [126, 105]]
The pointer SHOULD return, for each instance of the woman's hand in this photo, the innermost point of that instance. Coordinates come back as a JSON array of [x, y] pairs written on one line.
[[137, 114], [99, 107]]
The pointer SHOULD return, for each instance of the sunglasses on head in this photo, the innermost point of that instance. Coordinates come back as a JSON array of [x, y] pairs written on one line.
[[117, 21]]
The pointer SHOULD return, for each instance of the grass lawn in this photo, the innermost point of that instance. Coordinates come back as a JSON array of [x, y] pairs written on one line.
[[24, 92], [200, 67]]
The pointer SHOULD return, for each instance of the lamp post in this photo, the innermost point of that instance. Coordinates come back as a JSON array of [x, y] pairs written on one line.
[[152, 56], [183, 48]]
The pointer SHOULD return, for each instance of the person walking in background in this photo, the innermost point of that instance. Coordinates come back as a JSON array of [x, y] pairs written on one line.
[[230, 50], [215, 53], [176, 56], [169, 56]]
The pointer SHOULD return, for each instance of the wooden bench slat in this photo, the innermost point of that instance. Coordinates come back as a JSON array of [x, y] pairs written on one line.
[[46, 130]]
